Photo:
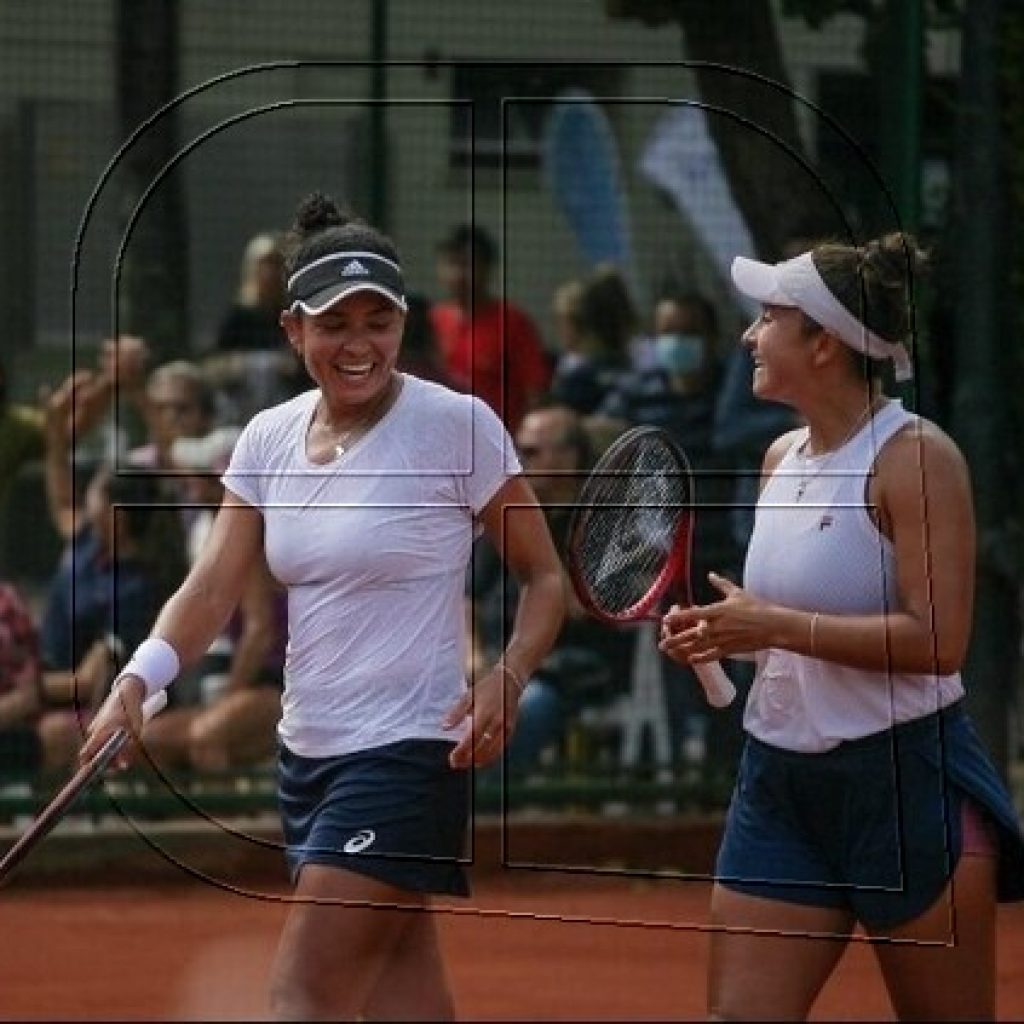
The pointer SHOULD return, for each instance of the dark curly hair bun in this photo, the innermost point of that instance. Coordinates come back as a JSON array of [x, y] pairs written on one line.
[[321, 227], [317, 212], [874, 282], [893, 258]]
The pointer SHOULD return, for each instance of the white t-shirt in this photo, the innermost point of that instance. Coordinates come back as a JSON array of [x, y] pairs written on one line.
[[373, 549]]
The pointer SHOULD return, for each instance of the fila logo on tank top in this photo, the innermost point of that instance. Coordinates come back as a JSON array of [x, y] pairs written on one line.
[[815, 547]]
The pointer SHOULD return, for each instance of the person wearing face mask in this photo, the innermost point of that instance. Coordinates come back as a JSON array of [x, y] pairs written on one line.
[[677, 392], [364, 495]]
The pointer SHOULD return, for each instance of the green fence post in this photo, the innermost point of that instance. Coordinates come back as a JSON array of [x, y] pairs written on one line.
[[908, 18], [378, 191], [981, 402]]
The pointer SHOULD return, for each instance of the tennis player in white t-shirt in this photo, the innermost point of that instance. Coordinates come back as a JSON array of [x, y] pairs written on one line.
[[364, 495]]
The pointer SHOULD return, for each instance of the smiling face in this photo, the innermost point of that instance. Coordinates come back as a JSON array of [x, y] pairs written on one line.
[[350, 350], [782, 351]]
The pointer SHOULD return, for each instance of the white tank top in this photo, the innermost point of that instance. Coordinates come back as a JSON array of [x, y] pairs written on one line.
[[815, 547]]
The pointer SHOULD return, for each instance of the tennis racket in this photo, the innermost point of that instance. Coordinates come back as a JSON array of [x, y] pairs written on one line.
[[631, 534], [63, 801]]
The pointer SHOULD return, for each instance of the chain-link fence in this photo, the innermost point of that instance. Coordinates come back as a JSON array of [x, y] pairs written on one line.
[[143, 145]]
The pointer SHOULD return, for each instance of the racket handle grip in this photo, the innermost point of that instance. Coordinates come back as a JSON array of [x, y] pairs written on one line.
[[717, 685], [150, 707], [153, 705]]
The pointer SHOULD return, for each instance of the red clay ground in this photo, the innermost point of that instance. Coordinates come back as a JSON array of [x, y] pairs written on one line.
[[191, 952]]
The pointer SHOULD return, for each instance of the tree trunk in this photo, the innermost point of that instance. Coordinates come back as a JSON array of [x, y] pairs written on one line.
[[775, 195], [737, 44]]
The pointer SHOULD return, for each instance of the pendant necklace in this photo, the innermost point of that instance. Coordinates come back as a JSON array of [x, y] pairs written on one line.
[[339, 446], [342, 445], [806, 479]]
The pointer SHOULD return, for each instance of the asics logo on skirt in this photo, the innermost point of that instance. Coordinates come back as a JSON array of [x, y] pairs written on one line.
[[360, 841]]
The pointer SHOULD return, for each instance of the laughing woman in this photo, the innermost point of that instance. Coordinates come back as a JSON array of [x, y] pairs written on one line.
[[864, 796], [364, 496]]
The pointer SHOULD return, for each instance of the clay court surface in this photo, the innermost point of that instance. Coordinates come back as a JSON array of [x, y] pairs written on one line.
[[526, 946]]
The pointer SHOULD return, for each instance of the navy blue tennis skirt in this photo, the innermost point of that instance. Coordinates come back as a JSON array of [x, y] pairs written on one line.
[[397, 813], [873, 826]]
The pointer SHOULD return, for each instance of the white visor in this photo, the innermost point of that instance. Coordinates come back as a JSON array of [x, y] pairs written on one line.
[[796, 283]]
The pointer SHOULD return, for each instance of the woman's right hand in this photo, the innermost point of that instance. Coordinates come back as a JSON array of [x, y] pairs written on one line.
[[121, 710]]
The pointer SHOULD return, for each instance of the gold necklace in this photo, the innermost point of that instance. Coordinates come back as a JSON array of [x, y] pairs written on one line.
[[806, 479], [341, 445]]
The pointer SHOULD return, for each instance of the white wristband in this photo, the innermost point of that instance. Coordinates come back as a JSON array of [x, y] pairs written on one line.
[[155, 662]]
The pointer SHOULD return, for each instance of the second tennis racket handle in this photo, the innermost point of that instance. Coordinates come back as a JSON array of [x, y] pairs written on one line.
[[153, 705], [717, 685]]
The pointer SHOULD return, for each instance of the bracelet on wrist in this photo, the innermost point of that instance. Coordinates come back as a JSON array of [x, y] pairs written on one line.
[[814, 631], [514, 676]]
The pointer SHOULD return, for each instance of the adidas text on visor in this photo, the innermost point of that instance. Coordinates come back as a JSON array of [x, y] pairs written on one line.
[[326, 281]]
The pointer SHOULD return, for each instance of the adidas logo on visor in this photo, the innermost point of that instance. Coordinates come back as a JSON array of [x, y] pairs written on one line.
[[353, 269]]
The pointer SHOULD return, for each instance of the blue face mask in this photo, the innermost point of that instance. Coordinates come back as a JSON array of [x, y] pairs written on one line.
[[680, 354]]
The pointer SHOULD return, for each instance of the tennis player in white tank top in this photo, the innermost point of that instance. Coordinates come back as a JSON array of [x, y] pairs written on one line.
[[856, 606]]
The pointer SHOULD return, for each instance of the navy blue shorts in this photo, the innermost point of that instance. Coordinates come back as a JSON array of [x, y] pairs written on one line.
[[397, 813], [872, 827]]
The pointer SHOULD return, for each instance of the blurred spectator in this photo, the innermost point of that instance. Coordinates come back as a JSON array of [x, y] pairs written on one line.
[[590, 664], [489, 346], [677, 393], [240, 679], [83, 397], [20, 686], [253, 366], [596, 325], [179, 402], [565, 306], [253, 321], [420, 354], [22, 435], [125, 558]]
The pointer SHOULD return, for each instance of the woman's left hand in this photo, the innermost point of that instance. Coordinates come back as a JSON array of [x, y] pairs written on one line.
[[738, 624], [491, 706]]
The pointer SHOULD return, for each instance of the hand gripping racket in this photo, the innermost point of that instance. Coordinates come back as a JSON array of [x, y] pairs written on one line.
[[630, 538], [62, 802]]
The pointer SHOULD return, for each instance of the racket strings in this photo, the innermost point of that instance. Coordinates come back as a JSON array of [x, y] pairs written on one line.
[[628, 524]]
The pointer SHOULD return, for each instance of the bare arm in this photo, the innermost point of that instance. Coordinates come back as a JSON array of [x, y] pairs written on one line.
[[57, 408], [922, 492], [515, 524], [83, 683], [18, 706], [259, 628], [196, 614]]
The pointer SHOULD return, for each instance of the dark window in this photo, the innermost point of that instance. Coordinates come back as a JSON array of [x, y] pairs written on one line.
[[481, 91]]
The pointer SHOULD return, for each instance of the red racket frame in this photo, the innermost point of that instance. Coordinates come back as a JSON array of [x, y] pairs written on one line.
[[676, 570]]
